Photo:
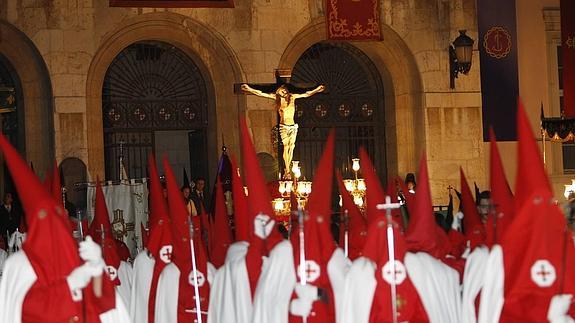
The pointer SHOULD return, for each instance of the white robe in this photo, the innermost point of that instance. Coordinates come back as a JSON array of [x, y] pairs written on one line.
[[18, 278], [360, 284], [143, 271], [166, 307], [437, 285], [125, 287], [492, 298], [275, 286], [473, 278], [230, 294], [3, 256], [337, 268]]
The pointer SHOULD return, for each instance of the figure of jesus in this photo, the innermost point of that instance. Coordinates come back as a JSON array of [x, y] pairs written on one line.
[[285, 104]]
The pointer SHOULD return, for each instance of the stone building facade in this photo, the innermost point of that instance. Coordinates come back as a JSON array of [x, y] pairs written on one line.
[[62, 49]]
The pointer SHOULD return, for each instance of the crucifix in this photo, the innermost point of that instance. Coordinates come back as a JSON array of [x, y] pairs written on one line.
[[284, 93]]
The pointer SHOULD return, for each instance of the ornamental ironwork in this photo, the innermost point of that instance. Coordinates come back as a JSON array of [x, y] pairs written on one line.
[[352, 104], [150, 86]]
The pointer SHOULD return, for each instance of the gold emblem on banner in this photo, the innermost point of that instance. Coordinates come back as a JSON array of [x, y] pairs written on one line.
[[339, 27], [497, 42], [570, 42], [119, 225]]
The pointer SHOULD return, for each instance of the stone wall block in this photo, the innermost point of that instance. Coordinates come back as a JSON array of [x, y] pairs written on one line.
[[71, 133], [253, 61], [69, 85], [245, 40], [70, 104], [428, 61]]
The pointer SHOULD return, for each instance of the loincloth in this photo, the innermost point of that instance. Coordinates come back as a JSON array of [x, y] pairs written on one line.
[[288, 132]]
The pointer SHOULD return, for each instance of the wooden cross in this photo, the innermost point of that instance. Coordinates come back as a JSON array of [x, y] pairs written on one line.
[[283, 77]]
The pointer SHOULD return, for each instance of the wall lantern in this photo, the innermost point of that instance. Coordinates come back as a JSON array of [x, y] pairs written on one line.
[[460, 54]]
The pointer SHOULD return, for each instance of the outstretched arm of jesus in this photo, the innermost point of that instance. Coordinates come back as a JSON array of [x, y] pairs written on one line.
[[249, 89], [307, 94]]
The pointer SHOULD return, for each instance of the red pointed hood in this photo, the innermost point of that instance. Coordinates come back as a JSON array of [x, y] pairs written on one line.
[[319, 202], [243, 222], [49, 244], [474, 229], [357, 225], [258, 195], [180, 222], [374, 193], [501, 196], [531, 173], [222, 233], [102, 222], [259, 200], [180, 225], [160, 233], [423, 234]]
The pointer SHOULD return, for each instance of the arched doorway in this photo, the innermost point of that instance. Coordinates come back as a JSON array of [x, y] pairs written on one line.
[[353, 105], [154, 99]]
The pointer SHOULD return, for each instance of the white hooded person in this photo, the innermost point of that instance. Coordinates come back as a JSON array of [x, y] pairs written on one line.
[[51, 279]]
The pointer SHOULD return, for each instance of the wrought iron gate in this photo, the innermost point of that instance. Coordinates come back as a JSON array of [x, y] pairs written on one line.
[[352, 104], [150, 86]]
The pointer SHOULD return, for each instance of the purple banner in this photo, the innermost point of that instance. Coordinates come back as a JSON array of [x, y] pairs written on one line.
[[499, 77]]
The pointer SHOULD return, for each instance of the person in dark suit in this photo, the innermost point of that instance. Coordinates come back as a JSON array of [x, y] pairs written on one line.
[[200, 196], [9, 216]]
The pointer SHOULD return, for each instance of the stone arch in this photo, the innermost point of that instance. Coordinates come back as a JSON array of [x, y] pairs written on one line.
[[36, 139], [210, 51], [402, 85]]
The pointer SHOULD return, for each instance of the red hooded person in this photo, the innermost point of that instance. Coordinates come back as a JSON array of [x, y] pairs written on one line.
[[179, 278], [244, 228], [319, 243], [159, 250], [427, 245], [259, 200], [101, 231], [501, 196], [536, 250], [50, 258]]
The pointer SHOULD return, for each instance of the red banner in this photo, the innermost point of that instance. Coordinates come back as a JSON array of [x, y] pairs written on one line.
[[173, 3], [353, 19], [568, 51]]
